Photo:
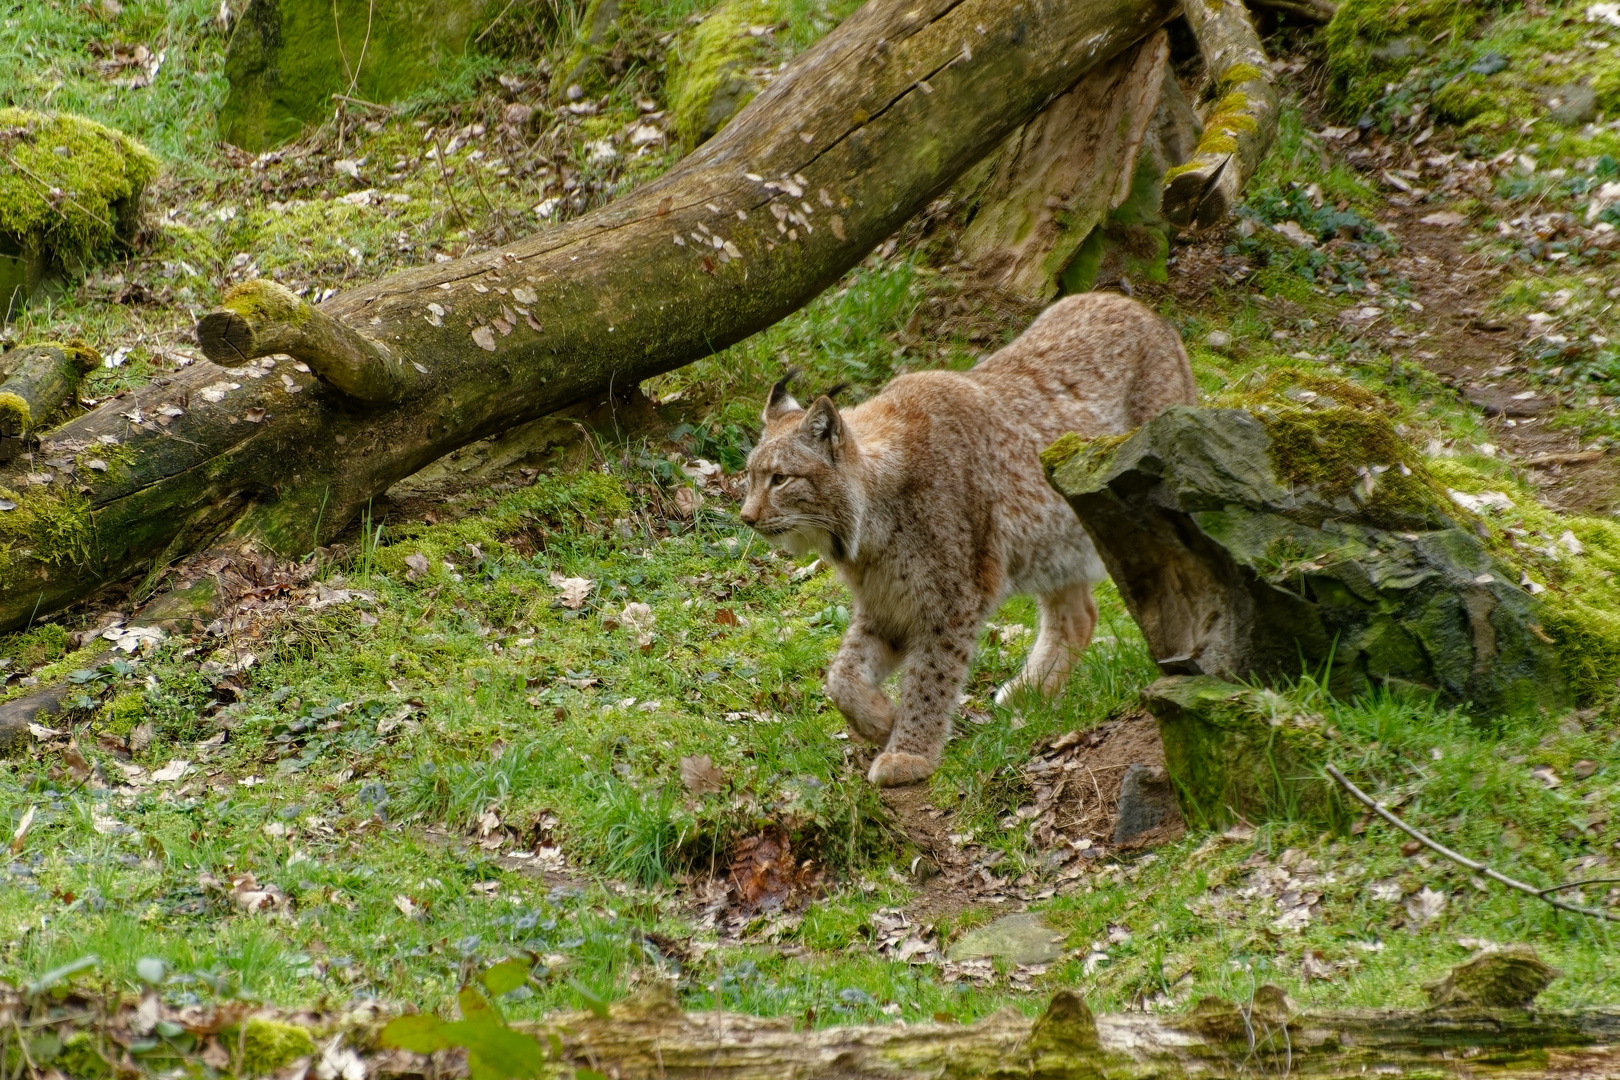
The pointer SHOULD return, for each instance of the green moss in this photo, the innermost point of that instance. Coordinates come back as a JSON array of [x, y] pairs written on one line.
[[38, 646], [100, 174], [118, 458], [1087, 455], [80, 1057], [1353, 453], [49, 525], [270, 1045], [709, 82], [265, 301], [1359, 27], [1238, 74], [1477, 102], [14, 413], [1242, 752], [1581, 604], [1061, 451], [567, 500], [124, 713], [286, 60]]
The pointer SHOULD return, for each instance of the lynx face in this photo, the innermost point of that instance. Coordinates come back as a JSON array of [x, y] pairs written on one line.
[[803, 492]]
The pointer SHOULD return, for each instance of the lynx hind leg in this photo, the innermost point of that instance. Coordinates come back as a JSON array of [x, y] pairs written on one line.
[[934, 678], [1068, 617], [855, 682]]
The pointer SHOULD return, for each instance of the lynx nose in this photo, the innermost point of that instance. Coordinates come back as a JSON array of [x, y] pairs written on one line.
[[749, 517]]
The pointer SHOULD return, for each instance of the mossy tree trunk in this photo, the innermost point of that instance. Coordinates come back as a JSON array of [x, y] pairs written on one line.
[[854, 138]]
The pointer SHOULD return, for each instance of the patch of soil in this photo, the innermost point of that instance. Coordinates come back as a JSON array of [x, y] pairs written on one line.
[[1074, 783], [1478, 358]]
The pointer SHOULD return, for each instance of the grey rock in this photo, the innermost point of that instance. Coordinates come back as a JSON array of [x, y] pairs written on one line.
[[1025, 938], [1147, 800], [1253, 545], [1219, 340], [1401, 48], [1572, 105]]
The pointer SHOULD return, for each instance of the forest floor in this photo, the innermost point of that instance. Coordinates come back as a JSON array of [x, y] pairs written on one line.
[[459, 736]]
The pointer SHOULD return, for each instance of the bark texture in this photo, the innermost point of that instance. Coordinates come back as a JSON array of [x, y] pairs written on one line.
[[854, 138], [1058, 176], [1241, 122], [39, 380], [651, 1037]]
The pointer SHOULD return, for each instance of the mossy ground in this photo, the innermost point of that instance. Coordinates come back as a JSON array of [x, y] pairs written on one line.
[[369, 739]]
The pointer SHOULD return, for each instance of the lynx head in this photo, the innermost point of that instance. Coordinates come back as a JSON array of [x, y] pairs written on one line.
[[804, 489]]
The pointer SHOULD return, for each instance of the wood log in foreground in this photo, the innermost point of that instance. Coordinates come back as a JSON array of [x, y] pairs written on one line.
[[651, 1037], [851, 140]]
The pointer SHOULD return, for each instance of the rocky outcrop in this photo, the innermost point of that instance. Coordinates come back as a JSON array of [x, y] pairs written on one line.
[[1299, 539], [1306, 539]]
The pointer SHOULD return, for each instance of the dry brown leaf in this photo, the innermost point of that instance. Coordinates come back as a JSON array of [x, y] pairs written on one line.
[[700, 775], [572, 592]]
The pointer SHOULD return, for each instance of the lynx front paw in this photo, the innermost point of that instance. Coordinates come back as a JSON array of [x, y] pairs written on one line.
[[1009, 688], [897, 769]]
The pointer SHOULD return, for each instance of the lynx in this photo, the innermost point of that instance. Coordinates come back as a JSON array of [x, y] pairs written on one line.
[[931, 502]]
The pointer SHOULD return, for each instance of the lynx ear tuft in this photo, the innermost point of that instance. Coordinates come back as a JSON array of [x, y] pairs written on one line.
[[780, 402], [823, 424]]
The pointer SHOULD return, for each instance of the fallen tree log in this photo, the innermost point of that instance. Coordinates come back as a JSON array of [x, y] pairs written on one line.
[[1489, 1022], [854, 138], [1240, 124]]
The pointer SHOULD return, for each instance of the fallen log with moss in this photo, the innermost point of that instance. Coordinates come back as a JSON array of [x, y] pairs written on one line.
[[1483, 1012], [1240, 123], [306, 413]]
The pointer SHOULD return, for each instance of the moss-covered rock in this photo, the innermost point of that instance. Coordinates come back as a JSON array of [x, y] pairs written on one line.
[[288, 57], [270, 1045], [1304, 537], [711, 76], [1236, 751], [1493, 978], [70, 191]]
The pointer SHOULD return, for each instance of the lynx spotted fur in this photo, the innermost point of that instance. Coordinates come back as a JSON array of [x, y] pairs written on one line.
[[930, 500]]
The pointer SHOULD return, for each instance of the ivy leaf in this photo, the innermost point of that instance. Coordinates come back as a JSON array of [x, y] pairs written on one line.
[[593, 1001], [420, 1034], [506, 976]]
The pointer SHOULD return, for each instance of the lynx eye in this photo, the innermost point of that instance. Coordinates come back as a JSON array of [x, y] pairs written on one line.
[[777, 480]]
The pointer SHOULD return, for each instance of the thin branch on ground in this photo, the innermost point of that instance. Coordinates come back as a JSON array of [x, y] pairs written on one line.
[[1462, 860]]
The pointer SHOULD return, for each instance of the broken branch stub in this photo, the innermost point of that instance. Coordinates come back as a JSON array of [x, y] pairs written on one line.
[[1240, 124], [850, 141], [261, 318], [40, 380]]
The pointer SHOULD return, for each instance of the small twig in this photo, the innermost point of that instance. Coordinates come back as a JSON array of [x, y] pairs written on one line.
[[480, 38], [1581, 884], [1463, 860], [438, 148], [363, 103]]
